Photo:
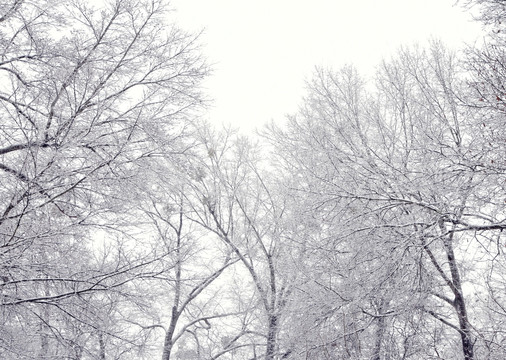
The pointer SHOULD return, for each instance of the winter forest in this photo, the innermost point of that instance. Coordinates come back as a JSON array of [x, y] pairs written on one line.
[[367, 225]]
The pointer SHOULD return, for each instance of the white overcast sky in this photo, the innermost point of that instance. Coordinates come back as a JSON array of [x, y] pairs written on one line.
[[262, 51]]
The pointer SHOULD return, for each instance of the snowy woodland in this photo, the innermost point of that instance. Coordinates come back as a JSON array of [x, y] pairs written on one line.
[[367, 225]]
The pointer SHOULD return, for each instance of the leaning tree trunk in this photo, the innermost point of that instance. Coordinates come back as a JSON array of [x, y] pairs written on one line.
[[459, 301]]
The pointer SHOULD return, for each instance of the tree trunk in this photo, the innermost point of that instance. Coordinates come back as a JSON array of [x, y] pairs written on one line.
[[168, 343], [465, 332], [271, 337], [176, 312], [44, 324], [459, 302], [379, 333], [101, 344]]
